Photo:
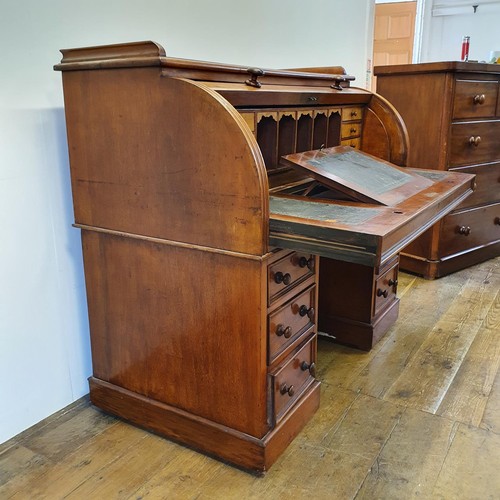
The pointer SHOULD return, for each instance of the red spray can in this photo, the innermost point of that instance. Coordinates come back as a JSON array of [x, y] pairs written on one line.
[[465, 48]]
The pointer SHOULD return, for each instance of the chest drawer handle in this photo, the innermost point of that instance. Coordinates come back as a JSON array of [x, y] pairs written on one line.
[[382, 293], [285, 389], [309, 366], [354, 113], [393, 282], [465, 230], [475, 141], [303, 311], [279, 277], [497, 221], [281, 330], [303, 262], [479, 99]]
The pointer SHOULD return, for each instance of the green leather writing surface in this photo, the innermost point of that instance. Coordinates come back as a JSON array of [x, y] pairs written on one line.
[[324, 212]]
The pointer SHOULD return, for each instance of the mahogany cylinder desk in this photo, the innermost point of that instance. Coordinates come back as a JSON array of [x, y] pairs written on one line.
[[207, 195]]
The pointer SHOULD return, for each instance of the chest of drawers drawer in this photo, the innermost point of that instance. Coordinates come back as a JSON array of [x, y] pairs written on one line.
[[487, 184], [290, 321], [474, 142], [475, 99], [292, 378], [288, 272], [470, 229]]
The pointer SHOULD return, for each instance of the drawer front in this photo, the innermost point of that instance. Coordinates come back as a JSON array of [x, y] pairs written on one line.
[[351, 130], [290, 321], [470, 229], [352, 114], [284, 274], [292, 378], [487, 184], [475, 142], [354, 143], [475, 99], [386, 287]]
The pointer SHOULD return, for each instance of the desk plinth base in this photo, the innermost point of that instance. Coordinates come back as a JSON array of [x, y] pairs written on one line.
[[356, 333], [219, 441]]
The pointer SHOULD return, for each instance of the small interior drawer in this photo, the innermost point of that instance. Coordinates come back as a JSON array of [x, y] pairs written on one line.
[[291, 379], [290, 321], [385, 289], [352, 114], [475, 99], [351, 130], [355, 142], [286, 273]]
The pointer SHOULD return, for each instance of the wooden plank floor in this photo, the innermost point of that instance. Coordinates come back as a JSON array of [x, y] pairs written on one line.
[[417, 417]]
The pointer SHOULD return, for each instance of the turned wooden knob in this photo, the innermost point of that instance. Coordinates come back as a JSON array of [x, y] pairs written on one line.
[[354, 113], [393, 282], [382, 293], [309, 366], [353, 130], [497, 221], [279, 277], [304, 310], [479, 99], [281, 330], [285, 389], [303, 262], [465, 230], [475, 141]]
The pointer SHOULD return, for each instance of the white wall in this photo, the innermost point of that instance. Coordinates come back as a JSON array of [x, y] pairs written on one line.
[[443, 34], [44, 341]]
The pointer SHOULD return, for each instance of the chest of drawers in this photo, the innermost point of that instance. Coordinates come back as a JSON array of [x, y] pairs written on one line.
[[452, 112]]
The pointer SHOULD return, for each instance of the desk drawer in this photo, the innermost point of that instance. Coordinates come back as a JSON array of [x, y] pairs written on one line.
[[284, 274], [290, 321], [487, 184], [385, 289], [291, 379], [475, 142], [475, 99], [470, 229]]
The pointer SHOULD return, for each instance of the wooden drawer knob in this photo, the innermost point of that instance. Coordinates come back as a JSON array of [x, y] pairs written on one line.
[[393, 282], [479, 99], [475, 141], [353, 130], [354, 113], [279, 277], [497, 221], [304, 310], [465, 230], [305, 366], [285, 389], [382, 293], [281, 330], [303, 262]]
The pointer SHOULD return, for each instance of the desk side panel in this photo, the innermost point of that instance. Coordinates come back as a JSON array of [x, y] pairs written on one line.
[[180, 326]]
